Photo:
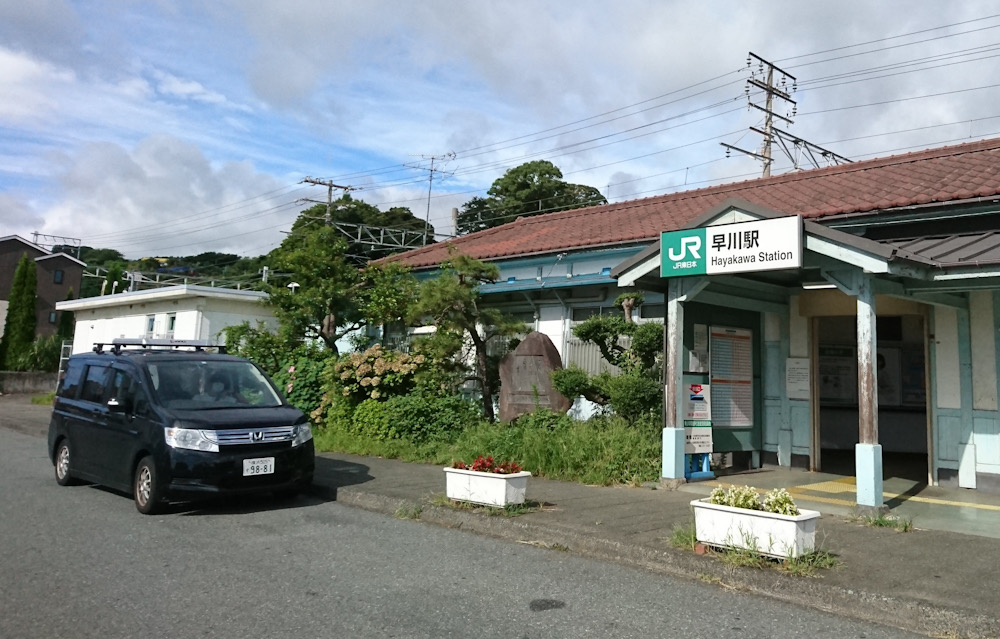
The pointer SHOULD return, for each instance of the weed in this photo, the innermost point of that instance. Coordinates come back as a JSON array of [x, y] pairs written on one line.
[[743, 558], [510, 510], [897, 523], [709, 579], [409, 511], [44, 400], [683, 537], [808, 564]]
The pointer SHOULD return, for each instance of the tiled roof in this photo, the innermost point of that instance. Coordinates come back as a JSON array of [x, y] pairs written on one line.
[[943, 174]]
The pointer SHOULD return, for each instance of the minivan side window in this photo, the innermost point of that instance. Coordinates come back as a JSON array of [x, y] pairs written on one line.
[[94, 383], [70, 384], [126, 391]]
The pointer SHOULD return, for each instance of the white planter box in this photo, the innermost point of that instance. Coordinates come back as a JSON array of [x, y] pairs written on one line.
[[779, 536], [488, 489]]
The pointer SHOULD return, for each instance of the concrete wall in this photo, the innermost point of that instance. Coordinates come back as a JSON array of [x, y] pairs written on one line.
[[11, 382]]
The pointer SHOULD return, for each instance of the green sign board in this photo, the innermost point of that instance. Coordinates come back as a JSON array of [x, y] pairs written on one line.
[[758, 245], [682, 253]]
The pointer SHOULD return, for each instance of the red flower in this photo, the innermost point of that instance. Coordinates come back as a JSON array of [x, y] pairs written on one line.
[[487, 465]]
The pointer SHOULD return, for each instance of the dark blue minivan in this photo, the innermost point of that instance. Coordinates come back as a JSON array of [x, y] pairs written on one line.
[[173, 420]]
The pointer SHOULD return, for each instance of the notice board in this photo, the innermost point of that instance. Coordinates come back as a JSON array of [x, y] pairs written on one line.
[[731, 376]]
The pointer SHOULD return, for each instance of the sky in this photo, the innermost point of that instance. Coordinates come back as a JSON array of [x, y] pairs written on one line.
[[167, 127]]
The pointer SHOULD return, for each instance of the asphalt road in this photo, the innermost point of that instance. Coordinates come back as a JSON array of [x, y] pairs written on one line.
[[81, 562]]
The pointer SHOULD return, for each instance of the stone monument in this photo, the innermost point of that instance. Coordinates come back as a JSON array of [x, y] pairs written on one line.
[[525, 378]]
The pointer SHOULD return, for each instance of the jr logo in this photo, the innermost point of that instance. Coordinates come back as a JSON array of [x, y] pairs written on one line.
[[692, 244]]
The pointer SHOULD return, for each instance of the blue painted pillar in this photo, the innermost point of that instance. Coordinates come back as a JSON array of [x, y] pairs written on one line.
[[868, 452]]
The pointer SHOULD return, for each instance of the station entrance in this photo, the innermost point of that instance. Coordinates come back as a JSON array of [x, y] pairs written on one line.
[[901, 366]]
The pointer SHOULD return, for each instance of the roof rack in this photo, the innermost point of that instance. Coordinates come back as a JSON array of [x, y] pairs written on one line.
[[161, 344]]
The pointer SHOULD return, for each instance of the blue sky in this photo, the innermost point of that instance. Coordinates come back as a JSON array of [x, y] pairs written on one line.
[[171, 128]]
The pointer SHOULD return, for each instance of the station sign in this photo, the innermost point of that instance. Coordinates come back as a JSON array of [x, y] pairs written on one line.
[[760, 245]]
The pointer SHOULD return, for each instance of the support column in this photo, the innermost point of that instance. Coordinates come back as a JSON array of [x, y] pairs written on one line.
[[673, 421], [868, 452]]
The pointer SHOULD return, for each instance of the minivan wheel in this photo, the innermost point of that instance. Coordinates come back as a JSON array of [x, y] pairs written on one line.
[[146, 487], [63, 476]]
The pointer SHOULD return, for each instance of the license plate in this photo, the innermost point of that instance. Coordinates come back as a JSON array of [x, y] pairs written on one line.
[[259, 466]]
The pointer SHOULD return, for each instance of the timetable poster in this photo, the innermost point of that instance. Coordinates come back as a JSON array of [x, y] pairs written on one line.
[[731, 376]]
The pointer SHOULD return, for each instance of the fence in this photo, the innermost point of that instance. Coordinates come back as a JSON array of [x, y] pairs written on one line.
[[588, 356]]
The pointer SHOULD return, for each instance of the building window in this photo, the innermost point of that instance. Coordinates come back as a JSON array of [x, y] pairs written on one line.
[[652, 311], [582, 313], [57, 276], [52, 317], [150, 325], [171, 323]]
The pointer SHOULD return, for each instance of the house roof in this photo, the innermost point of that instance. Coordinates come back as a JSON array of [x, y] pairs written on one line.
[[45, 253], [941, 175], [179, 291]]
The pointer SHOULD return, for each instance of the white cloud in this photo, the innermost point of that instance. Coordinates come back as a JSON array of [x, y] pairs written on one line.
[[164, 196]]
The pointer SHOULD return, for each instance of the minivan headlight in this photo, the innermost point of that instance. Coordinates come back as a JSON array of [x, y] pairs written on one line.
[[190, 439], [301, 434]]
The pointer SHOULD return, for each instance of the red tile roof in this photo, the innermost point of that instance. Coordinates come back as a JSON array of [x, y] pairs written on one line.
[[943, 174]]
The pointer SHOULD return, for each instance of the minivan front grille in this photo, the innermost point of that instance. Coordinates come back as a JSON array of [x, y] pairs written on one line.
[[238, 436]]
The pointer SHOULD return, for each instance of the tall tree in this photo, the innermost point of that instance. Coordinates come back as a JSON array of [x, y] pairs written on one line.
[[529, 189], [19, 327], [319, 293], [347, 209], [451, 302]]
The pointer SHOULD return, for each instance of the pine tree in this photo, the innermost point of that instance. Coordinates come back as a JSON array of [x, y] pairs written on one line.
[[19, 327]]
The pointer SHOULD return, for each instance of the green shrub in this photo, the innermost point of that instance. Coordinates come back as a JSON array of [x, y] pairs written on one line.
[[301, 377], [41, 355], [416, 418], [630, 395]]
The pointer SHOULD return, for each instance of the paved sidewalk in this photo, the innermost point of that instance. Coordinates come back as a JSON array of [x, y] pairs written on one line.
[[938, 582], [934, 582]]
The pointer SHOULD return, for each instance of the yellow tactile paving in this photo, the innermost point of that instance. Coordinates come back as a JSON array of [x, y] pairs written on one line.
[[847, 486]]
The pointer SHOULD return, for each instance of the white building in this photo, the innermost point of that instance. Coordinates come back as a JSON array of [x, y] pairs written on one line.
[[174, 312]]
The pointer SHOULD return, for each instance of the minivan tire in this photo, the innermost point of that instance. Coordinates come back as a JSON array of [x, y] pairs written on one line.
[[63, 475], [146, 488]]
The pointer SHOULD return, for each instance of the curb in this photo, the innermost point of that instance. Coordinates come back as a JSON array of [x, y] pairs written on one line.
[[905, 613]]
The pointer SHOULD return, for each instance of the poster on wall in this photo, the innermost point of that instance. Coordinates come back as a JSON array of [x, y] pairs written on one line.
[[797, 378], [838, 375], [731, 376], [697, 419]]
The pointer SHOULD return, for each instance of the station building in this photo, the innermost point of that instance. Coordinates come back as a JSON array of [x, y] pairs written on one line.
[[845, 319]]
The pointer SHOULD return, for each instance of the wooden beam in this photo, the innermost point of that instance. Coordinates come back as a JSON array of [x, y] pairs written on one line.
[[867, 373]]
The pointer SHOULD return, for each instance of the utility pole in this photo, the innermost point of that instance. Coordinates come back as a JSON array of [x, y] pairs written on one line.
[[330, 186], [430, 184], [763, 78]]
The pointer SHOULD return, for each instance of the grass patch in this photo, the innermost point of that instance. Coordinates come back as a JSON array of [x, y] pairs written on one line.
[[601, 451], [44, 400], [899, 524], [809, 564], [510, 510], [410, 511], [683, 537]]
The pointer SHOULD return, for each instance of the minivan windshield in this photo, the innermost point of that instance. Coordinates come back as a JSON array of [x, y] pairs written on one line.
[[206, 384]]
